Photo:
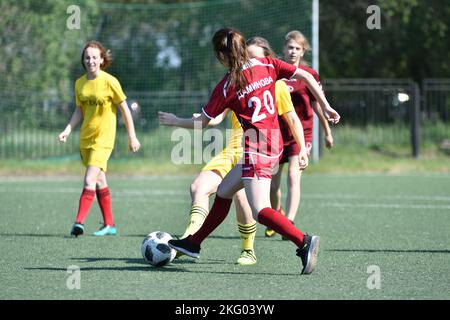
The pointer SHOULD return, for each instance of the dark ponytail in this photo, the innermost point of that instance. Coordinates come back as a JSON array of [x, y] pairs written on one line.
[[230, 49]]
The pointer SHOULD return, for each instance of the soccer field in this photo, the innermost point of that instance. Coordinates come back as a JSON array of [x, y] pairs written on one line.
[[382, 237]]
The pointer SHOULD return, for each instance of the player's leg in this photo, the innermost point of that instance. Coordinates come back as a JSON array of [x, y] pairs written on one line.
[[293, 189], [257, 192], [104, 201], [247, 228], [219, 210], [203, 186], [275, 196], [87, 196], [293, 194]]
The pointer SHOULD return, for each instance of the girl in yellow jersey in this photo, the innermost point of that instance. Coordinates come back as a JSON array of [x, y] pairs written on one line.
[[97, 96], [214, 171]]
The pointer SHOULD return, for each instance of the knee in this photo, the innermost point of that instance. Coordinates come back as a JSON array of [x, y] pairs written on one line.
[[101, 183], [90, 181], [199, 189], [294, 177], [274, 187], [240, 198]]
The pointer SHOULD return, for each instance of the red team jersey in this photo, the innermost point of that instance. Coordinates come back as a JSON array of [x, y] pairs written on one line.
[[256, 109], [301, 99], [254, 105]]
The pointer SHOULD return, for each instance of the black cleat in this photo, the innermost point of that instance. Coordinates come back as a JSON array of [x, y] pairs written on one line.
[[77, 229], [309, 253], [185, 246]]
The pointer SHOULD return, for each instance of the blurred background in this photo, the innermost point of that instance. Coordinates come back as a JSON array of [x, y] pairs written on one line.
[[390, 84]]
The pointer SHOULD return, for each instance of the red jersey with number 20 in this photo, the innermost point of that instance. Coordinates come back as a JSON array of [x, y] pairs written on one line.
[[254, 105]]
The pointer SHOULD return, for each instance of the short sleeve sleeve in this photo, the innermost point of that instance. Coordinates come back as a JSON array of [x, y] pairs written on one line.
[[283, 98], [116, 90], [218, 101], [77, 95], [283, 69]]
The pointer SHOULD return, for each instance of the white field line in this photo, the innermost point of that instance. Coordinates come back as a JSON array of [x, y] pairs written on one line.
[[332, 200], [381, 205], [185, 191]]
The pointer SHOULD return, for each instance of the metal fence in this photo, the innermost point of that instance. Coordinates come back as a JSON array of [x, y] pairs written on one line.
[[375, 112]]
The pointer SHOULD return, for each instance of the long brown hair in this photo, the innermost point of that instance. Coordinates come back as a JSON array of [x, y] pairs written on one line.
[[230, 49], [262, 43], [104, 54]]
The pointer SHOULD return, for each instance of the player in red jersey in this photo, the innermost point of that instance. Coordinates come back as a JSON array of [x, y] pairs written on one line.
[[248, 90], [295, 46]]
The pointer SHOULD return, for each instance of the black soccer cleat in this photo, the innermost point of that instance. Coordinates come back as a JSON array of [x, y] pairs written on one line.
[[77, 229], [308, 253], [185, 246]]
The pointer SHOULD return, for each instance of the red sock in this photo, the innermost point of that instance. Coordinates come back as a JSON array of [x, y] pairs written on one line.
[[282, 225], [217, 214], [104, 200], [86, 199]]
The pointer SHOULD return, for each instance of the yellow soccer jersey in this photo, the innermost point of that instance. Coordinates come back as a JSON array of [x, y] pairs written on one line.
[[98, 100], [283, 98]]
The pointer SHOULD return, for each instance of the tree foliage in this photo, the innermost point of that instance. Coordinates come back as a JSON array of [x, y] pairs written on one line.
[[412, 42]]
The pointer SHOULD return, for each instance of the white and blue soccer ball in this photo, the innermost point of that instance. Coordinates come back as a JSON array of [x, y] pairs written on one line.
[[155, 249]]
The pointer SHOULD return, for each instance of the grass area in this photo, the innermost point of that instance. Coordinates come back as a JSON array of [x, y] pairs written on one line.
[[341, 159], [397, 223]]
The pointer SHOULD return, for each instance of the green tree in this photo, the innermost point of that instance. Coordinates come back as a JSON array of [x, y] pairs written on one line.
[[412, 42]]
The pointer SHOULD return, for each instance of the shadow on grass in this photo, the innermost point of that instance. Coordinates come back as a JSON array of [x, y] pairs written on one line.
[[41, 235], [390, 250], [140, 265], [141, 261], [170, 268]]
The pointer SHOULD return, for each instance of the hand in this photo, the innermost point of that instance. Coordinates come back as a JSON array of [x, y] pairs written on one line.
[[167, 119], [329, 141], [331, 115], [63, 136], [303, 160], [134, 144]]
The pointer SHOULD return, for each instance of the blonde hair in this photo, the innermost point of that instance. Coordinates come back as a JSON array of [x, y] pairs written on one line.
[[300, 38]]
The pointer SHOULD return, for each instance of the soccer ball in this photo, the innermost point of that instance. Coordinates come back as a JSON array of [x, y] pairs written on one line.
[[156, 251]]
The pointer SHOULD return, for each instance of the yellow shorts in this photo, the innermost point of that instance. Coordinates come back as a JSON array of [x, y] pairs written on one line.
[[96, 157], [224, 161]]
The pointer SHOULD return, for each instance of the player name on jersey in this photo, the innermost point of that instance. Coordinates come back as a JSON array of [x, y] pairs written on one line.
[[254, 86]]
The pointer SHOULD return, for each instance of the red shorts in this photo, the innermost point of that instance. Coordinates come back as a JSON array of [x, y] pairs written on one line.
[[257, 166], [293, 150]]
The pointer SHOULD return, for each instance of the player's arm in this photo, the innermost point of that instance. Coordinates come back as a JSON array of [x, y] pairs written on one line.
[[133, 142], [329, 113], [169, 119], [76, 117], [218, 120], [296, 128], [323, 121], [287, 112]]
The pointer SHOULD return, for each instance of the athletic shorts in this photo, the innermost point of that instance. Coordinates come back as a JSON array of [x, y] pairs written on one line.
[[97, 157], [293, 150], [224, 161], [257, 166]]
